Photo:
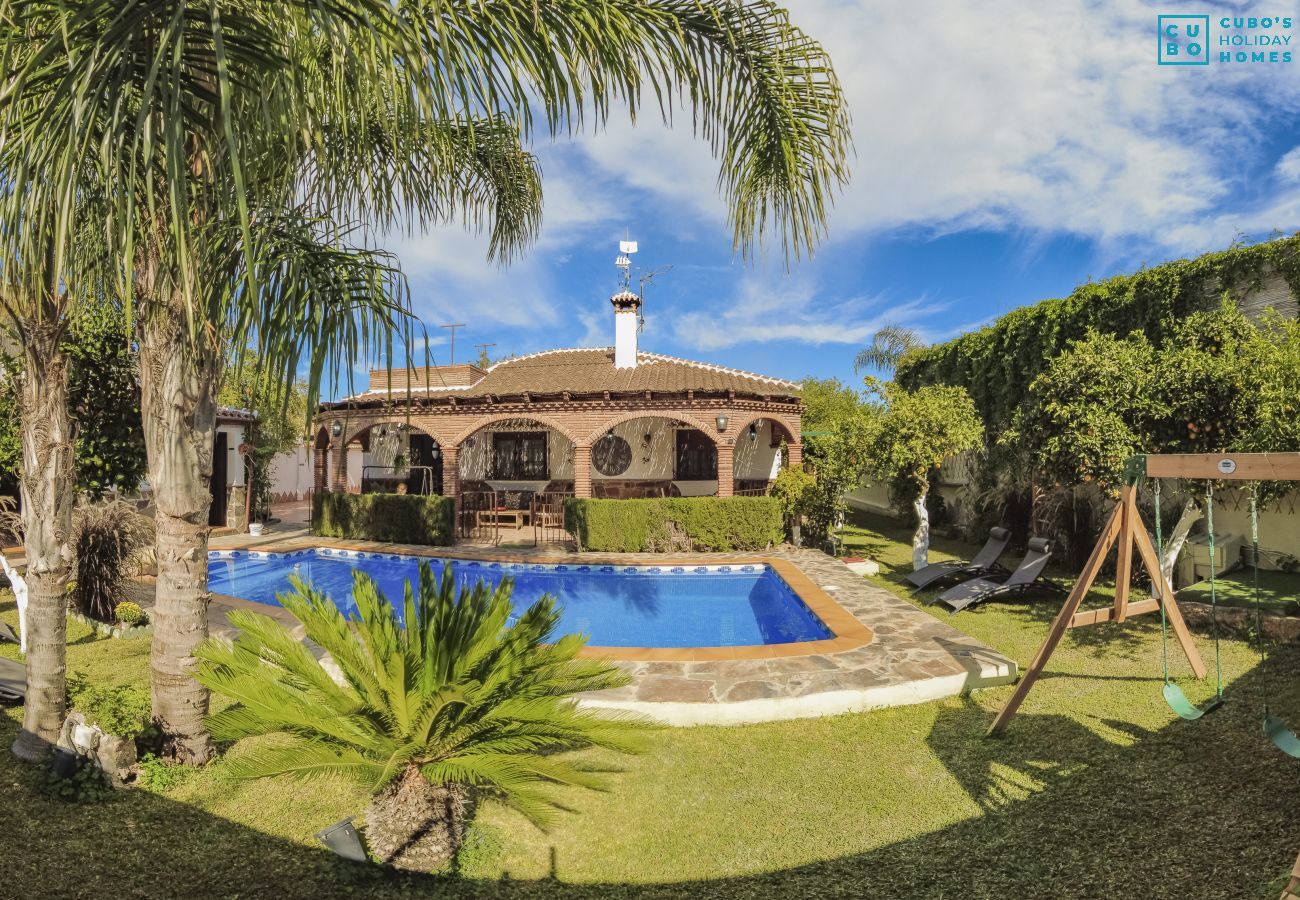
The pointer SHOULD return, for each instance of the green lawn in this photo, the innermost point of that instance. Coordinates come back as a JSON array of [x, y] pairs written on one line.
[[1097, 791]]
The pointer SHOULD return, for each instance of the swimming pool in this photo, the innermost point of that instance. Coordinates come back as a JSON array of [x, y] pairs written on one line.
[[615, 606]]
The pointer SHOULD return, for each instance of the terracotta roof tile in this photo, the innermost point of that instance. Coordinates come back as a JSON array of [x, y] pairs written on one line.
[[581, 371]]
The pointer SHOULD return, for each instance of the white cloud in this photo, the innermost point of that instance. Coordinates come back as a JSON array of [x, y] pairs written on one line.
[[1288, 167], [793, 309], [1047, 117]]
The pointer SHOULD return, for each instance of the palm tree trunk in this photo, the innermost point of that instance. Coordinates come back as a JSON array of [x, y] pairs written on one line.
[[415, 825], [178, 407], [48, 492]]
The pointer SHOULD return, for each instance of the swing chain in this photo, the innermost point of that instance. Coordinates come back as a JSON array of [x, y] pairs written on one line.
[[1214, 600], [1259, 613], [1160, 559]]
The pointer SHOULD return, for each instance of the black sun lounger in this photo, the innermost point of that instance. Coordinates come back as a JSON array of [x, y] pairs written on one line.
[[13, 680], [1027, 576], [7, 634], [983, 563]]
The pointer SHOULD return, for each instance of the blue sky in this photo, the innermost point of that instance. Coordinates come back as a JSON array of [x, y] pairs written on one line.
[[1004, 152]]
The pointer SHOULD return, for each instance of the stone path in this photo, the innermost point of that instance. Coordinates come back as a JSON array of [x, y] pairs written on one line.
[[911, 657]]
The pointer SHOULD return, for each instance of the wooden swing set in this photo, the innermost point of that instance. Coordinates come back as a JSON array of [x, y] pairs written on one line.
[[1126, 531]]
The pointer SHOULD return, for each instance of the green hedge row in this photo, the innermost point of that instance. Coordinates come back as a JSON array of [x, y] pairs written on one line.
[[674, 524], [396, 518], [996, 363]]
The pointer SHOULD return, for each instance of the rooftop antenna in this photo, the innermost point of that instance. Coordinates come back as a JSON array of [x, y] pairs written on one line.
[[483, 350], [452, 354], [647, 278], [624, 262]]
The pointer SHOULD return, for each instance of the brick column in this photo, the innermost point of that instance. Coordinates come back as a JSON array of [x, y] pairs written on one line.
[[340, 479], [320, 478], [726, 470], [450, 471], [794, 454], [581, 470]]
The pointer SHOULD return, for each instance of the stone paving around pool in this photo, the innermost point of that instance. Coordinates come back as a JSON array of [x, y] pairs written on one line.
[[911, 657]]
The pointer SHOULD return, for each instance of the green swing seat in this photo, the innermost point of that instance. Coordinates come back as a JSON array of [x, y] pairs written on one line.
[[1179, 703], [1282, 737]]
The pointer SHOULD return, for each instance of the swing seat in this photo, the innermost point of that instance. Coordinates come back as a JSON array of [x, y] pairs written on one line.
[[1179, 703], [1282, 737]]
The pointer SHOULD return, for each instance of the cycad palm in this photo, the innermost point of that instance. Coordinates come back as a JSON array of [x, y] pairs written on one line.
[[444, 695]]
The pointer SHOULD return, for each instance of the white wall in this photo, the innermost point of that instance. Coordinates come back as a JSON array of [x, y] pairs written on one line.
[[234, 432], [291, 472], [757, 459]]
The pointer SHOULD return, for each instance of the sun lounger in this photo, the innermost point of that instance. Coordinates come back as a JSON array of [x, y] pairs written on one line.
[[13, 680], [1027, 576], [983, 563]]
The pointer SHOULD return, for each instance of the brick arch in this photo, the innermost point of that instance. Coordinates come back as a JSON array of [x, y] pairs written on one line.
[[549, 422], [759, 417], [414, 424], [652, 414], [322, 441]]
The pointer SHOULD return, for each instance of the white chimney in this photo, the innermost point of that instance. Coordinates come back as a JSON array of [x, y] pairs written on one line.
[[627, 307]]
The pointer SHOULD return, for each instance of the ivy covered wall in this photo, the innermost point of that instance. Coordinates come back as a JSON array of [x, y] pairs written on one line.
[[997, 363]]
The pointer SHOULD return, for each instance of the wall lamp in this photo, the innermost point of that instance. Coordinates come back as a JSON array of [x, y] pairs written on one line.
[[722, 423], [336, 428]]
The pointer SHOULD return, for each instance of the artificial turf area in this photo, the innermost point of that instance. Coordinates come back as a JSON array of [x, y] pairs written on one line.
[[1097, 791]]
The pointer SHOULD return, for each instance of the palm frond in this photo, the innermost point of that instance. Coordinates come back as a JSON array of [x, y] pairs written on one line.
[[445, 687]]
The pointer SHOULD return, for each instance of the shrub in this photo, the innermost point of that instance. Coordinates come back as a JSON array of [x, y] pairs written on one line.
[[86, 783], [796, 491], [399, 518], [459, 690], [129, 613], [160, 776], [123, 710], [674, 523], [105, 539]]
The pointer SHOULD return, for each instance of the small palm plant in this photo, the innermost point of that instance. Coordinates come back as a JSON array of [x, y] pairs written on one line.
[[425, 709]]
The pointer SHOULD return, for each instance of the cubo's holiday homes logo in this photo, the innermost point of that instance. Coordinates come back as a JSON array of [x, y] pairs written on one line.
[[1186, 40], [1183, 40]]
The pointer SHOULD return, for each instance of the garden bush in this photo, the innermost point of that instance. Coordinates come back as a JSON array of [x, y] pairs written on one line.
[[123, 710], [399, 518], [105, 540], [674, 523], [129, 613]]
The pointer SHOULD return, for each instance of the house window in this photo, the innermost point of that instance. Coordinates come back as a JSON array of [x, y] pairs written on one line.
[[519, 456], [697, 457]]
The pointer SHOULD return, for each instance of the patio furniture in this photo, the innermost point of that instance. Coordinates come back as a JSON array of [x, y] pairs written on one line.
[[500, 516], [983, 563], [13, 680], [20, 596], [1027, 576]]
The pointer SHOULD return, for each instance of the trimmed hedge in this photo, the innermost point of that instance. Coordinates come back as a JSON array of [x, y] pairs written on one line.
[[397, 518], [674, 524]]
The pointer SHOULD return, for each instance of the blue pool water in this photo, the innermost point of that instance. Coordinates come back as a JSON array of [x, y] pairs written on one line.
[[641, 606]]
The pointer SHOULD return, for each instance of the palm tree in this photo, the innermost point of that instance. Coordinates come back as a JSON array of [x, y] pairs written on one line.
[[199, 113], [449, 698], [36, 320], [888, 346]]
